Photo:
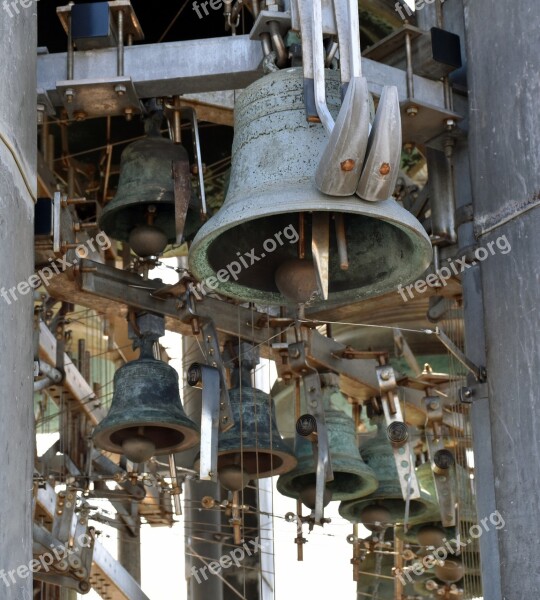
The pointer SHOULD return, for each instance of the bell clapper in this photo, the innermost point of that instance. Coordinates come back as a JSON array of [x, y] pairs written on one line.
[[176, 488], [236, 517]]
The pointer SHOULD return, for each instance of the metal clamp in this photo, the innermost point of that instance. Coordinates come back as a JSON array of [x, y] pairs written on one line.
[[208, 379], [397, 432], [213, 357], [313, 394]]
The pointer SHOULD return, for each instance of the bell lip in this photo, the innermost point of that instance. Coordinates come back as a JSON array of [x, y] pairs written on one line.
[[367, 478], [288, 203], [101, 437], [427, 513], [288, 461]]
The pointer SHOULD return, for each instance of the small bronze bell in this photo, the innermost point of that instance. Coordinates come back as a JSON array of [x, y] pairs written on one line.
[[386, 506], [146, 415], [143, 209], [352, 477]]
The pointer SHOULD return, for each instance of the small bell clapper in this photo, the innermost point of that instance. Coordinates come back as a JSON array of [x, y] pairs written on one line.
[[398, 434], [176, 488], [208, 379]]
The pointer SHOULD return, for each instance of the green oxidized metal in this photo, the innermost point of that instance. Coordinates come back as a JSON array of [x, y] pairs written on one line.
[[378, 454], [145, 180], [274, 158], [254, 443], [146, 403], [352, 477]]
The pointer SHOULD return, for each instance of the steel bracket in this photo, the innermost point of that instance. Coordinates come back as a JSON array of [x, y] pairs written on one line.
[[403, 455], [208, 379], [314, 402]]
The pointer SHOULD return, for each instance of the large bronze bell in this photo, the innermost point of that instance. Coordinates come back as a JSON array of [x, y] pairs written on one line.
[[143, 210], [386, 505], [146, 415], [352, 477], [274, 158], [253, 447]]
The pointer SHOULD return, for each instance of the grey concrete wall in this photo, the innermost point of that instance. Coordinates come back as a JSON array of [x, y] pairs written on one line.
[[503, 40], [18, 129]]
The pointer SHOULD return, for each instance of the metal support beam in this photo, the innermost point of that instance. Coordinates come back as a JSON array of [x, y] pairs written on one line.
[[208, 65]]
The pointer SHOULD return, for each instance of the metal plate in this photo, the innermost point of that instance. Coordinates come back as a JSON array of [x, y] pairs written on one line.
[[265, 16], [428, 122], [97, 97]]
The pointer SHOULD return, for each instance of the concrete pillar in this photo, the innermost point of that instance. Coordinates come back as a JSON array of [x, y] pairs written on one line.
[[17, 186], [504, 143], [129, 550]]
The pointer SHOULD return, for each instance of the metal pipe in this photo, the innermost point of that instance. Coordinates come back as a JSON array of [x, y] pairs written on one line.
[[278, 43], [410, 74], [53, 374], [70, 52], [330, 55], [120, 56], [341, 238]]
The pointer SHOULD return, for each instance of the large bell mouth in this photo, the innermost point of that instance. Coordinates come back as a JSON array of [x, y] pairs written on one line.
[[383, 254], [258, 463]]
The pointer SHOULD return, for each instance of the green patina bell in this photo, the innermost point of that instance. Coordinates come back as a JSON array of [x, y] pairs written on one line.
[[274, 158], [352, 477], [254, 445], [386, 505], [143, 210], [146, 417]]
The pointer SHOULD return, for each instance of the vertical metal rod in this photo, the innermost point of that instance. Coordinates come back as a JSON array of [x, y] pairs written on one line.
[[341, 238], [44, 137], [175, 491], [50, 152], [398, 564], [120, 57], [410, 74], [301, 235], [70, 53]]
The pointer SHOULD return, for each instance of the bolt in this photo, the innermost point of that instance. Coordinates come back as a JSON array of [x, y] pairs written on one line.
[[434, 405], [69, 95], [348, 165], [79, 115], [384, 169], [120, 90], [412, 111], [295, 353], [386, 374], [129, 113]]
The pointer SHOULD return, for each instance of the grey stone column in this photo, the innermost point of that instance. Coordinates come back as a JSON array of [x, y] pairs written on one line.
[[17, 164]]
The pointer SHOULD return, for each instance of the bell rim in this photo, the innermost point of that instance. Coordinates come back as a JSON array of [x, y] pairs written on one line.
[[101, 437], [224, 220], [428, 509], [289, 461], [365, 477]]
